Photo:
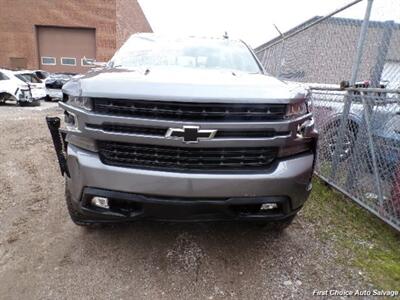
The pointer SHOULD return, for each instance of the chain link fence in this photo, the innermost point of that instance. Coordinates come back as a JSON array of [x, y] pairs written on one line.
[[359, 121], [366, 166]]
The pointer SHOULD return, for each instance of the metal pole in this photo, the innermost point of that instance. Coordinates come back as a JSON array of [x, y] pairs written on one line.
[[282, 58], [263, 58], [361, 42], [372, 149], [347, 98], [382, 53]]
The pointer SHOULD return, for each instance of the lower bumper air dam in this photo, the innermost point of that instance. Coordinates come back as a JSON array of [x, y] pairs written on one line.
[[129, 207]]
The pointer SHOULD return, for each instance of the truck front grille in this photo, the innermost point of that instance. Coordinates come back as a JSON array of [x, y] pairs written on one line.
[[187, 159], [161, 131], [188, 111]]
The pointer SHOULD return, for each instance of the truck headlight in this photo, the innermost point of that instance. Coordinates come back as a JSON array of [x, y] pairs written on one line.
[[81, 142], [296, 109], [80, 102]]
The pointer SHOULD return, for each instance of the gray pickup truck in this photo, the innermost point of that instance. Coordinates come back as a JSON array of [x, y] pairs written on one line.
[[184, 129]]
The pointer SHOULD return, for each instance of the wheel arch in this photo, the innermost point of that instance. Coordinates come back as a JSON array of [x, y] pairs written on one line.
[[355, 119], [8, 96]]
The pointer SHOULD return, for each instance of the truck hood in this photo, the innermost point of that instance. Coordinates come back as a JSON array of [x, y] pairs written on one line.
[[182, 84]]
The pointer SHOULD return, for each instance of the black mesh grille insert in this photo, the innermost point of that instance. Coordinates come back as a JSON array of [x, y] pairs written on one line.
[[180, 158], [187, 111]]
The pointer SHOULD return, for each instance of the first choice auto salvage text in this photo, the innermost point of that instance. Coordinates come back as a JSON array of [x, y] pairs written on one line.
[[356, 293]]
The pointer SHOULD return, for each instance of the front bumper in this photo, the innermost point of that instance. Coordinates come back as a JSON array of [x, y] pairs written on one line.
[[29, 96], [170, 195], [38, 93], [128, 206]]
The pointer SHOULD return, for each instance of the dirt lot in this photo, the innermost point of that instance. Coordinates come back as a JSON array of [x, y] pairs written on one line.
[[43, 255]]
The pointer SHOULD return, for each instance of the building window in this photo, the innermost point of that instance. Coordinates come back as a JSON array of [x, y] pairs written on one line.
[[68, 61], [50, 61], [87, 62]]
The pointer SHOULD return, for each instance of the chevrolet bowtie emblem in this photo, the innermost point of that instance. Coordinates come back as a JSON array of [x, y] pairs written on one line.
[[190, 134]]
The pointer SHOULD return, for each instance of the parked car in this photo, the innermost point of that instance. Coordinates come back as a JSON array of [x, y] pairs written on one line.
[[15, 87], [38, 88], [384, 123], [51, 82], [54, 83], [186, 129]]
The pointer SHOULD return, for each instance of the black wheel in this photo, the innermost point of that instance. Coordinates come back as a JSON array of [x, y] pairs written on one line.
[[47, 98], [278, 226], [76, 217], [3, 98], [25, 103], [36, 103], [329, 138], [283, 224], [6, 97]]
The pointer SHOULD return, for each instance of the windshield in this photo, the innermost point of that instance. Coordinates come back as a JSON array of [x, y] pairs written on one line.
[[144, 51], [28, 78]]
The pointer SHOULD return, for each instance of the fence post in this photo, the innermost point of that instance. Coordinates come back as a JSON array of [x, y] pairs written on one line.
[[263, 58], [376, 74], [347, 98], [382, 53], [366, 117], [281, 58]]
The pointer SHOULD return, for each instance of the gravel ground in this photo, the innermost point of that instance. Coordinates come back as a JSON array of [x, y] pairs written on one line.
[[43, 255]]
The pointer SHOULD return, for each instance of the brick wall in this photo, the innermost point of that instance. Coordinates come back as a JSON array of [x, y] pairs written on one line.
[[130, 19], [112, 19]]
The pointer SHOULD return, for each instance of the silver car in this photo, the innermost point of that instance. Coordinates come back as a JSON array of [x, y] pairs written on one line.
[[188, 129]]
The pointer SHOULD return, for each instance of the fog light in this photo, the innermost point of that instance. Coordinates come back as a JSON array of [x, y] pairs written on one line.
[[82, 142], [269, 206], [100, 202]]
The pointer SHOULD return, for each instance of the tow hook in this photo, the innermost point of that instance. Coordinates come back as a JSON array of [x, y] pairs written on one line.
[[59, 142]]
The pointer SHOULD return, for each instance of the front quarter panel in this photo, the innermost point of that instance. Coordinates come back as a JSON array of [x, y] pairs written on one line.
[[72, 87]]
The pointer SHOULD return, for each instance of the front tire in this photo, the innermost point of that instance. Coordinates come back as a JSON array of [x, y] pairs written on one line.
[[3, 98], [75, 215], [6, 97], [26, 103], [283, 224], [36, 103], [278, 226]]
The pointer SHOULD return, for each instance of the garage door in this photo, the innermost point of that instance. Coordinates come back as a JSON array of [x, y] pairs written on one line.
[[62, 49]]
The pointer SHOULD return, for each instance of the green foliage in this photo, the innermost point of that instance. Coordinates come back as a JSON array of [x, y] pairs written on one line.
[[375, 245]]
